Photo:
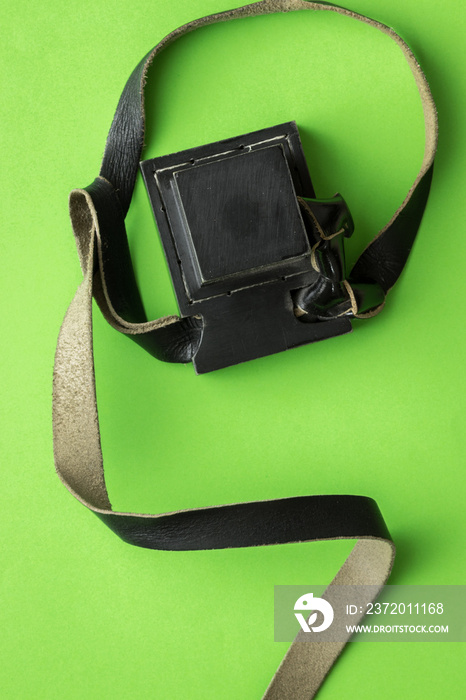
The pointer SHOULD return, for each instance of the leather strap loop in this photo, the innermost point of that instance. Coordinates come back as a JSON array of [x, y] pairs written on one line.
[[176, 340]]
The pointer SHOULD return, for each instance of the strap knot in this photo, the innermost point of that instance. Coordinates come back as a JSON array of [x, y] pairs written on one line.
[[328, 222]]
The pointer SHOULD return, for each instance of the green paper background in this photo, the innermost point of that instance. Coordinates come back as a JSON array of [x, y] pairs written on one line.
[[379, 412]]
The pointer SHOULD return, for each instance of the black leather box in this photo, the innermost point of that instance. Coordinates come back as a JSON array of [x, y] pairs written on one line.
[[236, 243]]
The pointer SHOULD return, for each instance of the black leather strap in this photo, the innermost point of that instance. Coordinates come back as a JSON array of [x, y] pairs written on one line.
[[98, 213], [300, 519], [170, 339]]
